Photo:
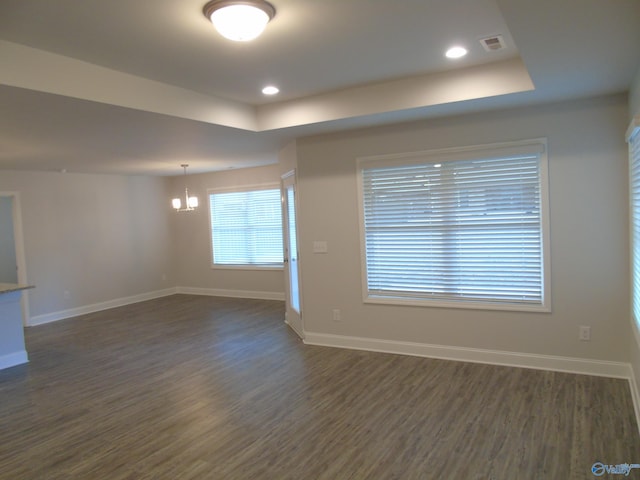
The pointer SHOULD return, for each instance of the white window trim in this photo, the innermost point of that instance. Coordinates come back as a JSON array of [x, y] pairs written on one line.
[[633, 133], [463, 153], [243, 188]]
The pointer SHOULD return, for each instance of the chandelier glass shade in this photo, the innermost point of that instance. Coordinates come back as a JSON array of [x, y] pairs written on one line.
[[190, 203]]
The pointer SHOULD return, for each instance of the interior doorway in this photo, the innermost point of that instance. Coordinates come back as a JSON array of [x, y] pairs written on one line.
[[8, 261], [12, 259]]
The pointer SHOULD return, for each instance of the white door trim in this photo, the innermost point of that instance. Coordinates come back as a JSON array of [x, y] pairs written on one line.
[[287, 180]]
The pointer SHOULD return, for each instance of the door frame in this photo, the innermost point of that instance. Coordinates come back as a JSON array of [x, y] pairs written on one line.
[[20, 252], [290, 178]]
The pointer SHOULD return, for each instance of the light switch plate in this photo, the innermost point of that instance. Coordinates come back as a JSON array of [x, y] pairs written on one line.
[[320, 246]]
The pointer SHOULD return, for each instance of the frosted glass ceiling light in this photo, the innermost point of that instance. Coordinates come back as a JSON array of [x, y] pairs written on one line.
[[239, 20], [191, 203]]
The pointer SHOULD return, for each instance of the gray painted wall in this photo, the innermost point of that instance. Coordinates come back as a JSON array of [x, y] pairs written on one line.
[[634, 96], [589, 233], [191, 235], [98, 237]]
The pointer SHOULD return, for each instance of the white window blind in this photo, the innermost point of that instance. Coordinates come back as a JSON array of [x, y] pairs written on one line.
[[246, 227], [634, 171], [450, 230]]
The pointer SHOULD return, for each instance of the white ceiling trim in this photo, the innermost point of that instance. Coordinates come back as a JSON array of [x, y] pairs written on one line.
[[482, 81], [43, 71]]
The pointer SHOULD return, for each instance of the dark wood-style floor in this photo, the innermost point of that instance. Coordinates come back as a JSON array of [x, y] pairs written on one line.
[[189, 387]]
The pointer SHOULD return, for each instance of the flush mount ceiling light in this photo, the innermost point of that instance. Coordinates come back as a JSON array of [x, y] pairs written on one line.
[[239, 20], [191, 203], [456, 52]]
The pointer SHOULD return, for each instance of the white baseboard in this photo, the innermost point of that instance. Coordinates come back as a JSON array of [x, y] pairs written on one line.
[[120, 302], [97, 307], [219, 292], [13, 359], [494, 357]]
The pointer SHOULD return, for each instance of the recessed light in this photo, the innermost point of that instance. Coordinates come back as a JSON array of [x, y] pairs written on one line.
[[456, 52], [270, 90]]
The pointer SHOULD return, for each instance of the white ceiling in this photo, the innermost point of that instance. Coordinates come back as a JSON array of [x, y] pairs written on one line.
[[141, 86]]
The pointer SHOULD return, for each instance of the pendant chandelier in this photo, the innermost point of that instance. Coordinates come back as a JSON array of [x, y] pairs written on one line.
[[190, 203]]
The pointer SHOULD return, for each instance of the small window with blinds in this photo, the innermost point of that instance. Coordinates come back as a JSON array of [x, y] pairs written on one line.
[[457, 227], [246, 227], [633, 137]]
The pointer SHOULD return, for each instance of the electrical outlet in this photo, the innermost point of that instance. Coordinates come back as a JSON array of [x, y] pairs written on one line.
[[584, 334], [337, 315], [66, 295]]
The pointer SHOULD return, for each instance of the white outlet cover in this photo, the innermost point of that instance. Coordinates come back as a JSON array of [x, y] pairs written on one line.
[[320, 246], [584, 333]]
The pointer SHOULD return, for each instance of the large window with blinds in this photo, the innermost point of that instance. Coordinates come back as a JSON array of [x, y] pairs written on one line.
[[458, 227], [246, 227], [633, 137]]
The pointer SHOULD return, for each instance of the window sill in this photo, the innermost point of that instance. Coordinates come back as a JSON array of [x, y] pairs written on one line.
[[246, 267], [470, 305]]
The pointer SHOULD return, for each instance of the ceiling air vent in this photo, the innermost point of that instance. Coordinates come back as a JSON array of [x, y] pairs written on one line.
[[493, 43]]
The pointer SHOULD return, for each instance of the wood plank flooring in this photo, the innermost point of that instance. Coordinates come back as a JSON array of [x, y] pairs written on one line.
[[189, 387]]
